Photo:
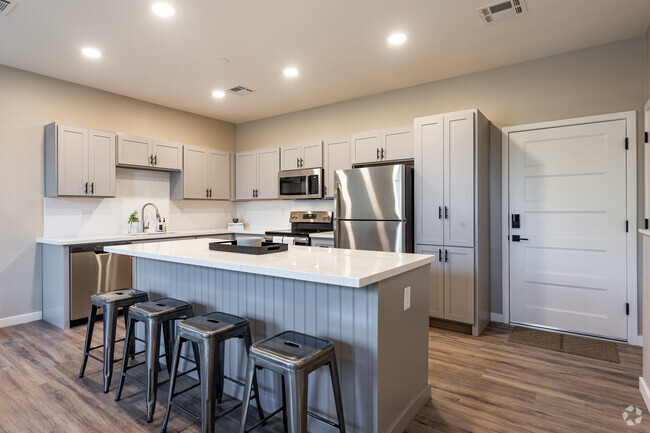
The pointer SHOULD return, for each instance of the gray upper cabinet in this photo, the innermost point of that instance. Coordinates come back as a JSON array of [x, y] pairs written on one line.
[[205, 175], [143, 152], [337, 157], [257, 174], [79, 162], [302, 155], [382, 145]]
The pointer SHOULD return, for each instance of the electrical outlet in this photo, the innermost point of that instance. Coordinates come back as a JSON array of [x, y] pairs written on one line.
[[86, 214], [407, 298]]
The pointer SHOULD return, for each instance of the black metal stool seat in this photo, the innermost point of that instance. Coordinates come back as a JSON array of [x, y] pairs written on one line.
[[155, 315], [210, 332], [294, 355], [110, 303]]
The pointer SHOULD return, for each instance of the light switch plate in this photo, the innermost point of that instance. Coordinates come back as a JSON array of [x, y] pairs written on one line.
[[407, 298]]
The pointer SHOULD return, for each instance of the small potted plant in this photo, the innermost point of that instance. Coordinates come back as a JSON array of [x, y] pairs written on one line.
[[133, 222]]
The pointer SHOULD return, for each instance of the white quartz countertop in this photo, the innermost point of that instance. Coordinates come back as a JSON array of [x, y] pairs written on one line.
[[644, 232], [123, 237], [352, 268]]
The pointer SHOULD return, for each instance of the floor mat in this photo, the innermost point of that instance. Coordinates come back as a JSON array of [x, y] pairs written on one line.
[[572, 344]]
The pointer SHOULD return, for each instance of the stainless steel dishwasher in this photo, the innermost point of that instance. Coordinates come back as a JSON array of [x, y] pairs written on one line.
[[94, 271]]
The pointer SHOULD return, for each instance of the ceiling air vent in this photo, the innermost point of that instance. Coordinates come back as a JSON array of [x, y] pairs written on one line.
[[6, 6], [239, 90], [501, 10]]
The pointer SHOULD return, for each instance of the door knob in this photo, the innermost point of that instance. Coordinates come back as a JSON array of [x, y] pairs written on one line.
[[517, 238]]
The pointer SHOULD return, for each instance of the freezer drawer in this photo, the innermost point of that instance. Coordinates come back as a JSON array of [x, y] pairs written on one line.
[[94, 271], [371, 235]]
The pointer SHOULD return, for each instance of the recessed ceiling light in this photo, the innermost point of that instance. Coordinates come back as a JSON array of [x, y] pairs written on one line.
[[291, 72], [218, 93], [397, 39], [93, 53], [163, 9]]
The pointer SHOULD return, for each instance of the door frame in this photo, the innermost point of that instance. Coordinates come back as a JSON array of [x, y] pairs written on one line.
[[633, 336]]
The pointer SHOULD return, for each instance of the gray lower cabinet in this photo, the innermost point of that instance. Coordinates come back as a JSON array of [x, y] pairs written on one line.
[[451, 287]]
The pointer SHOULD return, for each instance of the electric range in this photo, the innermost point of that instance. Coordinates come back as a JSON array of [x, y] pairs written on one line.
[[303, 223]]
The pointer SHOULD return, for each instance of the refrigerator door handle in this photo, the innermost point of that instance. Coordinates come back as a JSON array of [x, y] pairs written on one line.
[[337, 232]]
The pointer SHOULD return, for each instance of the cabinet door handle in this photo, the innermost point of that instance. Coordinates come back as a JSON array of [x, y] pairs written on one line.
[[377, 153], [446, 213], [302, 162], [446, 256], [297, 162], [86, 188], [150, 159], [92, 187], [439, 212], [382, 153], [155, 160], [210, 192], [440, 254]]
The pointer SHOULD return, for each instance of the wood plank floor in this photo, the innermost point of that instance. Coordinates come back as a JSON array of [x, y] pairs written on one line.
[[478, 385]]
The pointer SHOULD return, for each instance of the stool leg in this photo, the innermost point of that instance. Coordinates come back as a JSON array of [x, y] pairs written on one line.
[[284, 406], [125, 310], [92, 314], [172, 380], [208, 363], [248, 341], [125, 359], [250, 371], [110, 323], [297, 402], [168, 339], [220, 372], [197, 359], [336, 387], [153, 351]]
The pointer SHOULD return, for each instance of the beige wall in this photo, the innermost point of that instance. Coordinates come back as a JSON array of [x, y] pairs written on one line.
[[29, 101], [598, 80]]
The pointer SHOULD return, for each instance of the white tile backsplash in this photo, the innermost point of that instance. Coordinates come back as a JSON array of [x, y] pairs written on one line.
[[274, 214], [99, 216]]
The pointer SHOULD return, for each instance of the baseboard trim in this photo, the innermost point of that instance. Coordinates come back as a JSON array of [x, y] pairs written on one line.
[[645, 392], [22, 318], [409, 412], [496, 317]]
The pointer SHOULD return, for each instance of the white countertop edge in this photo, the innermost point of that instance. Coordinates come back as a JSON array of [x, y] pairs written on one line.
[[644, 232], [81, 240], [281, 273]]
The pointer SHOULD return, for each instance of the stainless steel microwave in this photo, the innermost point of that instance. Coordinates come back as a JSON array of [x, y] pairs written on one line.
[[298, 184]]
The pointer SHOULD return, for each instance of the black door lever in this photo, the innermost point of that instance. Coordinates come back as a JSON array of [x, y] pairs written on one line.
[[517, 238]]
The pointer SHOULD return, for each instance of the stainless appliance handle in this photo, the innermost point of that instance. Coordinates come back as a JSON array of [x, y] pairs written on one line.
[[337, 232]]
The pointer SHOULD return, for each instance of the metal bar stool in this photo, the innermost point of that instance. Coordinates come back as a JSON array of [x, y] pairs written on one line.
[[210, 332], [155, 315], [110, 303], [294, 355]]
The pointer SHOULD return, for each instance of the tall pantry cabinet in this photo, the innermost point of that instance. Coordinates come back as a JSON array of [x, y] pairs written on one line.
[[452, 214]]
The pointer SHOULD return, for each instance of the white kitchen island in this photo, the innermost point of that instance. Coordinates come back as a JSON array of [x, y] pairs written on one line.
[[354, 298]]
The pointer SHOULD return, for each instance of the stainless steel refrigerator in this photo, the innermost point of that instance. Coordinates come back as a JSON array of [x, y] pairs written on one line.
[[373, 208]]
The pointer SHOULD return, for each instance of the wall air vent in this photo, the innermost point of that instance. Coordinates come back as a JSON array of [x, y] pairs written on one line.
[[239, 90], [7, 6], [501, 10]]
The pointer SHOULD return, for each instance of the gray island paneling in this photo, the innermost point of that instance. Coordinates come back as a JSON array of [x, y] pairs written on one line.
[[382, 348]]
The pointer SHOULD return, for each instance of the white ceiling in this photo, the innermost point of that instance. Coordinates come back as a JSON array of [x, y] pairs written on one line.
[[338, 45]]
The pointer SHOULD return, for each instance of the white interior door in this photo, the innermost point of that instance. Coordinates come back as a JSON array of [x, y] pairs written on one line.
[[568, 184]]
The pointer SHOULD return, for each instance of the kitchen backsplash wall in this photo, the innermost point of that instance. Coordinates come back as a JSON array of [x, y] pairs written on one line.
[[88, 216], [274, 215]]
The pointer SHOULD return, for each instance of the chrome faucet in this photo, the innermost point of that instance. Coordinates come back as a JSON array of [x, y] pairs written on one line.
[[146, 226]]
